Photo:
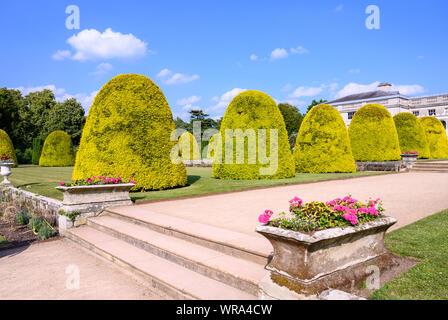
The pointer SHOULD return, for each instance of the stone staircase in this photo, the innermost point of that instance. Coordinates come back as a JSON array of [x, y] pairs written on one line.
[[178, 258], [437, 166]]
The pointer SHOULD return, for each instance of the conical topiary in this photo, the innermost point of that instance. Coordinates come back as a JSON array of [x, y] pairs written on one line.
[[127, 133], [57, 151], [188, 147], [436, 136], [38, 143], [7, 148], [252, 118], [411, 134], [322, 143], [373, 136]]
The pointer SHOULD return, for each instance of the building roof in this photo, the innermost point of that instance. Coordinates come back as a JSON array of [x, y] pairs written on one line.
[[365, 96]]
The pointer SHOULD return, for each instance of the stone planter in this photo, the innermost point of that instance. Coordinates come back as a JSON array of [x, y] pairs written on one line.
[[409, 159], [91, 200], [198, 163], [304, 265], [394, 166], [5, 171]]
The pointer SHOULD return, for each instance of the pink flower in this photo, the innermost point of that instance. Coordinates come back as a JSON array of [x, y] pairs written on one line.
[[132, 181], [264, 218], [295, 203], [62, 183], [269, 212]]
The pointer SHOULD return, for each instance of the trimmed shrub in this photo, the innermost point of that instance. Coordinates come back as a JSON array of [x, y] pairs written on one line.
[[127, 133], [57, 151], [322, 143], [373, 135], [212, 145], [37, 150], [411, 134], [248, 112], [188, 147], [436, 136], [7, 148]]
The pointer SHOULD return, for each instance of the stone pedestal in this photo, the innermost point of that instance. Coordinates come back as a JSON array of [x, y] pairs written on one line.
[[409, 160], [304, 265], [5, 171]]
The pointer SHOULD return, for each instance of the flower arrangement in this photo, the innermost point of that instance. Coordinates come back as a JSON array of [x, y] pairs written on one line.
[[6, 159], [410, 153], [314, 216], [100, 180]]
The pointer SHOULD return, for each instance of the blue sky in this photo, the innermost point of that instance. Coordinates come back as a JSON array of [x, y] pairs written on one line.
[[202, 53]]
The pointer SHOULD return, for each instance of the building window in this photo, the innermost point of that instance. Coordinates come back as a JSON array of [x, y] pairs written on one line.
[[416, 113], [432, 112], [350, 115], [444, 124]]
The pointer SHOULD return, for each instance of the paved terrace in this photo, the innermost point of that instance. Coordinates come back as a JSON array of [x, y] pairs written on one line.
[[406, 196]]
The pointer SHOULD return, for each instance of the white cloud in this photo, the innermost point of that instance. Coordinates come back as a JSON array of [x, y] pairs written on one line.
[[295, 102], [279, 53], [354, 70], [353, 88], [299, 50], [177, 78], [224, 100], [90, 44], [253, 57], [339, 8], [306, 92], [61, 94], [188, 103], [62, 55], [102, 68]]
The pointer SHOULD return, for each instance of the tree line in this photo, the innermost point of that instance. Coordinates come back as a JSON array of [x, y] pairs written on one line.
[[34, 116]]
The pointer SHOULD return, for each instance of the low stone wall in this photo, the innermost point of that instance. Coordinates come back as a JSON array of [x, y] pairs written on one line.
[[198, 163], [394, 166], [22, 199]]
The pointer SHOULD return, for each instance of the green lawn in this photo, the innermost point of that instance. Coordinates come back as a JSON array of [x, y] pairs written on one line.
[[426, 240], [43, 181]]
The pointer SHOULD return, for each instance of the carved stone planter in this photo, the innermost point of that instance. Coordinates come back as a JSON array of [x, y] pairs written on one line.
[[394, 166], [304, 265], [5, 171], [91, 200], [409, 159]]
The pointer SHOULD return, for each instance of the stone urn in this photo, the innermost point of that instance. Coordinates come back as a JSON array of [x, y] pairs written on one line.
[[304, 265], [5, 171], [409, 159]]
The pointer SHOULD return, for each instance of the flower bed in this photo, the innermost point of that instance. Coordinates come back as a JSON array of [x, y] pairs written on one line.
[[5, 159], [322, 245], [100, 180], [314, 216]]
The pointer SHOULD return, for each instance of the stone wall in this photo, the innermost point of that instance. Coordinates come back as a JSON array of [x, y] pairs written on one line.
[[394, 166], [22, 199], [198, 163]]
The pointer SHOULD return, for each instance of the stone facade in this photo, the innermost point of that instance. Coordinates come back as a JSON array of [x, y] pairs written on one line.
[[431, 105]]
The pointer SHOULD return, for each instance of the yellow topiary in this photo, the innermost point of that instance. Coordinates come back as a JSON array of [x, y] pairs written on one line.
[[411, 134], [373, 135], [7, 148], [436, 136], [322, 143], [188, 147], [127, 133], [262, 158], [212, 145], [57, 151]]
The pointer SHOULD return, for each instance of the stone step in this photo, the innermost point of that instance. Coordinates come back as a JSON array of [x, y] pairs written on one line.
[[236, 272], [438, 166], [168, 277], [429, 170], [252, 248]]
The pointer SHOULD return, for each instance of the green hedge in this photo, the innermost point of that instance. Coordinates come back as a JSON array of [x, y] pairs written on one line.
[[411, 134], [7, 148], [322, 144], [127, 132], [188, 147], [436, 136], [254, 110], [57, 151], [37, 150], [373, 135]]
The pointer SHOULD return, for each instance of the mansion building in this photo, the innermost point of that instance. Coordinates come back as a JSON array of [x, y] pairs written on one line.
[[395, 102]]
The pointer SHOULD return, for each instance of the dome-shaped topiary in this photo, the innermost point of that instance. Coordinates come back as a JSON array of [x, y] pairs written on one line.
[[57, 151], [373, 135], [127, 133], [253, 118], [411, 134], [188, 147], [436, 136], [322, 143], [7, 148]]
